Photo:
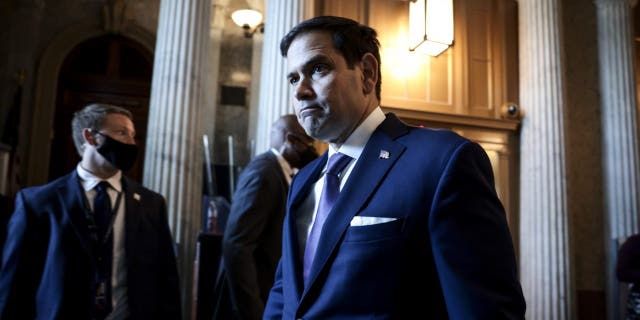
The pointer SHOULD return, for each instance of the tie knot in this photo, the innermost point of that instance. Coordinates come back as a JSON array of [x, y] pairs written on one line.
[[337, 163], [103, 186]]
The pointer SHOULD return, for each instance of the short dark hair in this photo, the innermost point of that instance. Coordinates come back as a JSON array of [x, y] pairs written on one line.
[[92, 116], [349, 37]]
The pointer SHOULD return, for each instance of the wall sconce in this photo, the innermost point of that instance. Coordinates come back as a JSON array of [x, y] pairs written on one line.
[[250, 20], [430, 26]]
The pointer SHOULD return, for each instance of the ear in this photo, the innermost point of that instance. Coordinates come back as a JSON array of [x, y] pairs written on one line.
[[89, 137], [370, 72], [290, 142], [289, 137]]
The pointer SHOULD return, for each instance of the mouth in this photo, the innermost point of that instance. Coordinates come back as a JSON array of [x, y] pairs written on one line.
[[309, 110]]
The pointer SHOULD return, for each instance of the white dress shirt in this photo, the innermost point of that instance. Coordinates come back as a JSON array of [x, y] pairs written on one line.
[[284, 165], [353, 147], [119, 296]]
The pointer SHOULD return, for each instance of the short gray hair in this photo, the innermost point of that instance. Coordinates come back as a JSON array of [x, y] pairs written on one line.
[[92, 116]]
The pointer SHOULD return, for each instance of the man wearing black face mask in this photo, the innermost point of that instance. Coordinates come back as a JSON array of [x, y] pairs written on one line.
[[121, 155], [92, 244], [252, 240]]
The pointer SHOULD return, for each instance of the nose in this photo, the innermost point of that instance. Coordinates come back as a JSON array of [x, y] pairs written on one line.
[[303, 90], [131, 140], [127, 138]]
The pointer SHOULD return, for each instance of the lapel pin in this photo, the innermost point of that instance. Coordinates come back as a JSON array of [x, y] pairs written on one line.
[[384, 154], [136, 196]]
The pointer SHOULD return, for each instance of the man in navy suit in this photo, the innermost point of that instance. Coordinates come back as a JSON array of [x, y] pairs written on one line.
[[393, 221], [252, 243], [92, 244]]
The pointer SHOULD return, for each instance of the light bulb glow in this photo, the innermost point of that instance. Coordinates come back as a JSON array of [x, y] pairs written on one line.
[[430, 26], [247, 17]]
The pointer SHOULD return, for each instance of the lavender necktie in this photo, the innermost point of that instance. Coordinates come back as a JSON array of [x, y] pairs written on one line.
[[330, 192]]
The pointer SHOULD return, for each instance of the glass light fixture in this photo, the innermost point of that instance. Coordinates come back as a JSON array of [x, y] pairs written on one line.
[[430, 26], [250, 20]]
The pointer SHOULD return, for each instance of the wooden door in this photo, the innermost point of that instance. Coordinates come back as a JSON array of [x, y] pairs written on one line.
[[110, 69]]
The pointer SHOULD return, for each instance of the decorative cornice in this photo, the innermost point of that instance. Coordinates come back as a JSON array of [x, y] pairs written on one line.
[[456, 119]]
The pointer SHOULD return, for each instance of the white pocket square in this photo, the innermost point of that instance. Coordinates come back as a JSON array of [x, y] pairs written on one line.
[[359, 221]]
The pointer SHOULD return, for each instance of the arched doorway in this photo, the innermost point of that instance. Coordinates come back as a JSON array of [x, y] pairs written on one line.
[[110, 69]]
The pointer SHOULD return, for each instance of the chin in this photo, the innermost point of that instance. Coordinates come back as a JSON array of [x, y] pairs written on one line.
[[315, 132], [312, 127]]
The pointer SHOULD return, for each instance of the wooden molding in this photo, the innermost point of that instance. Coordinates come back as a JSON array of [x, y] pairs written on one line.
[[456, 120]]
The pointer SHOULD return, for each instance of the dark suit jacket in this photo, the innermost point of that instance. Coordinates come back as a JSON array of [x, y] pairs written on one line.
[[448, 254], [628, 264], [252, 243], [47, 263]]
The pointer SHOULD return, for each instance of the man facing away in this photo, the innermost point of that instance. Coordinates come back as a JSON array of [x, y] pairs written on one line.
[[93, 244], [252, 242], [393, 221]]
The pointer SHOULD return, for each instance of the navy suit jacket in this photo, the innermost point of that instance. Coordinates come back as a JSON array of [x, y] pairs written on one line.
[[47, 261], [252, 243], [448, 254]]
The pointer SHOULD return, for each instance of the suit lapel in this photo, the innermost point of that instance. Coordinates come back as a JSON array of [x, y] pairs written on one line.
[[274, 159], [300, 189], [75, 206], [378, 156], [131, 206]]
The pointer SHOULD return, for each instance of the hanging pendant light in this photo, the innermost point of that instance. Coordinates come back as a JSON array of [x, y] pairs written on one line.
[[430, 26]]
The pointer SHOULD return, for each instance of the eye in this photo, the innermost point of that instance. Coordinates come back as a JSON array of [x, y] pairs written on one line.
[[293, 80], [320, 68], [124, 133]]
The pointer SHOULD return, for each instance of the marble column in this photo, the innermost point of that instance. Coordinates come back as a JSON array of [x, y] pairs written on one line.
[[544, 230], [218, 17], [173, 159], [254, 103], [619, 116], [256, 74], [619, 130], [275, 98]]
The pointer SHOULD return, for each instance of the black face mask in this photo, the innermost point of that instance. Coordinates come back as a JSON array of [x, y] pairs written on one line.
[[120, 155]]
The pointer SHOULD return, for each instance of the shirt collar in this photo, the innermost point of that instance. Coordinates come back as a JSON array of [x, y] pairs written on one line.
[[90, 181], [355, 143], [286, 168]]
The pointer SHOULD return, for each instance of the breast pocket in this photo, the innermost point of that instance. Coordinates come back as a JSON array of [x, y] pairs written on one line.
[[374, 232]]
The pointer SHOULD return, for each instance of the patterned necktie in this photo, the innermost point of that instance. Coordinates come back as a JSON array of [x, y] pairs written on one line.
[[103, 251], [330, 192], [102, 208]]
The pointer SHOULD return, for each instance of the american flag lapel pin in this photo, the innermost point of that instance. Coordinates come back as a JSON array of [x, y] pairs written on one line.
[[136, 196], [384, 154]]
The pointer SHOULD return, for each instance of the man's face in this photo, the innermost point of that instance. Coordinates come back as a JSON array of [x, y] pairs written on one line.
[[119, 127], [328, 97], [103, 156]]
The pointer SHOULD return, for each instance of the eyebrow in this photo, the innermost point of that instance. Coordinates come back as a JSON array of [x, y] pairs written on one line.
[[318, 58], [122, 128]]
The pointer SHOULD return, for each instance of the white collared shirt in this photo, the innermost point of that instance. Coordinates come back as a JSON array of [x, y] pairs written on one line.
[[284, 165], [119, 271], [353, 147]]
